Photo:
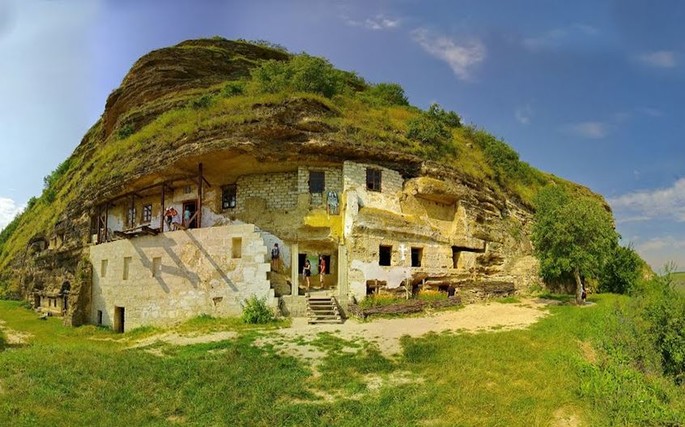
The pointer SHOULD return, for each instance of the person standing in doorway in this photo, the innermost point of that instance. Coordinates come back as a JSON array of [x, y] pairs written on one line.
[[307, 272], [322, 269], [186, 217]]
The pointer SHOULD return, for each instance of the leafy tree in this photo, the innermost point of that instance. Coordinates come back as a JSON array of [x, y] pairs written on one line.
[[621, 271], [572, 236]]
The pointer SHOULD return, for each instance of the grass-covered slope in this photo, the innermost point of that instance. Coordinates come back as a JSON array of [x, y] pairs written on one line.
[[570, 368], [209, 95]]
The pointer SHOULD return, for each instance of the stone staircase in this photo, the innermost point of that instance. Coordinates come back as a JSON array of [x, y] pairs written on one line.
[[323, 309]]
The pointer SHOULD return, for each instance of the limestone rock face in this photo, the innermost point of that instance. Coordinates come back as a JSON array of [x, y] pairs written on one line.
[[193, 64], [275, 165]]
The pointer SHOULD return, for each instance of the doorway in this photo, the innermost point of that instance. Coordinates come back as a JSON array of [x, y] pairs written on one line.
[[119, 316], [190, 206]]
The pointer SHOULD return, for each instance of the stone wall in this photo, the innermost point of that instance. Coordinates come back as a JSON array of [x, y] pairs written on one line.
[[354, 176], [278, 190], [164, 279], [333, 182]]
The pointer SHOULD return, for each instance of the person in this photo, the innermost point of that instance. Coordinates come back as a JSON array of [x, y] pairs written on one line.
[[307, 272], [186, 217], [583, 294], [169, 214], [275, 255], [322, 269]]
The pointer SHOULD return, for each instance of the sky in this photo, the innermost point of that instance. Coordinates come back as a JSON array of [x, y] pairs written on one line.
[[592, 91]]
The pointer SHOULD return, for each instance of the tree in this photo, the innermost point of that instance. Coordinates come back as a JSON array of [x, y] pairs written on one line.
[[622, 271], [573, 236]]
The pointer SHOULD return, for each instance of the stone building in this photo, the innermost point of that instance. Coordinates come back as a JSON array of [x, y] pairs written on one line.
[[376, 229]]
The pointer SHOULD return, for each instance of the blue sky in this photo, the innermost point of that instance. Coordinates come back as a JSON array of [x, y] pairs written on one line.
[[591, 91]]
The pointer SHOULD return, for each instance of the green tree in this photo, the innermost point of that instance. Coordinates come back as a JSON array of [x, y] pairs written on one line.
[[621, 271], [573, 236]]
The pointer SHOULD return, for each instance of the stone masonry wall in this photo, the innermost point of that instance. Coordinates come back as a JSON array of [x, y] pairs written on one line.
[[278, 190], [354, 176], [332, 182], [164, 279]]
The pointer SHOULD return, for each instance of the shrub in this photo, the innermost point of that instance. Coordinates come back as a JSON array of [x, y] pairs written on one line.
[[202, 102], [255, 310], [427, 130], [233, 89], [303, 73], [447, 118], [125, 131], [387, 94]]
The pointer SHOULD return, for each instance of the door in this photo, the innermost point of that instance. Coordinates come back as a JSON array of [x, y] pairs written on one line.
[[189, 209], [119, 316]]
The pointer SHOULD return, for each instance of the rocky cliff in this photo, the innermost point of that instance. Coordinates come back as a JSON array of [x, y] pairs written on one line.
[[196, 100]]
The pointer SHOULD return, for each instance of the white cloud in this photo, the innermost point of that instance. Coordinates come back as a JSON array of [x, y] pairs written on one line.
[[660, 251], [558, 36], [592, 130], [462, 57], [665, 203], [659, 59], [8, 210], [523, 114], [376, 23]]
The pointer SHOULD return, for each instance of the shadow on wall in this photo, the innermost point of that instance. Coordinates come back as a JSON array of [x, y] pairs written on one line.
[[179, 268]]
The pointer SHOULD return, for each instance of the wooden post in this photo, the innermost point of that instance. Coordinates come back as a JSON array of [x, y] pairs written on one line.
[[162, 211], [200, 189], [106, 221]]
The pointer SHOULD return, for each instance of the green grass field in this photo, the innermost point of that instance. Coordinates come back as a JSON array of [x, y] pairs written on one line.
[[554, 371]]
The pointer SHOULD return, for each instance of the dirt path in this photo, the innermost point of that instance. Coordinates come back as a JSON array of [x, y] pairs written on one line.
[[14, 337], [386, 333]]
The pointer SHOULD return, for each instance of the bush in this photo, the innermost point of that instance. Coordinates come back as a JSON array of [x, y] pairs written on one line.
[[621, 272], [202, 102], [386, 94], [125, 131], [303, 73], [233, 89], [447, 118], [255, 310]]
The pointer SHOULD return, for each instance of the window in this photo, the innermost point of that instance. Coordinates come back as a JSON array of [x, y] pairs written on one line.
[[99, 317], [147, 213], [156, 266], [188, 189], [317, 182], [373, 179], [127, 265], [384, 255], [237, 247], [103, 268], [131, 218], [416, 256], [455, 256], [228, 196]]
